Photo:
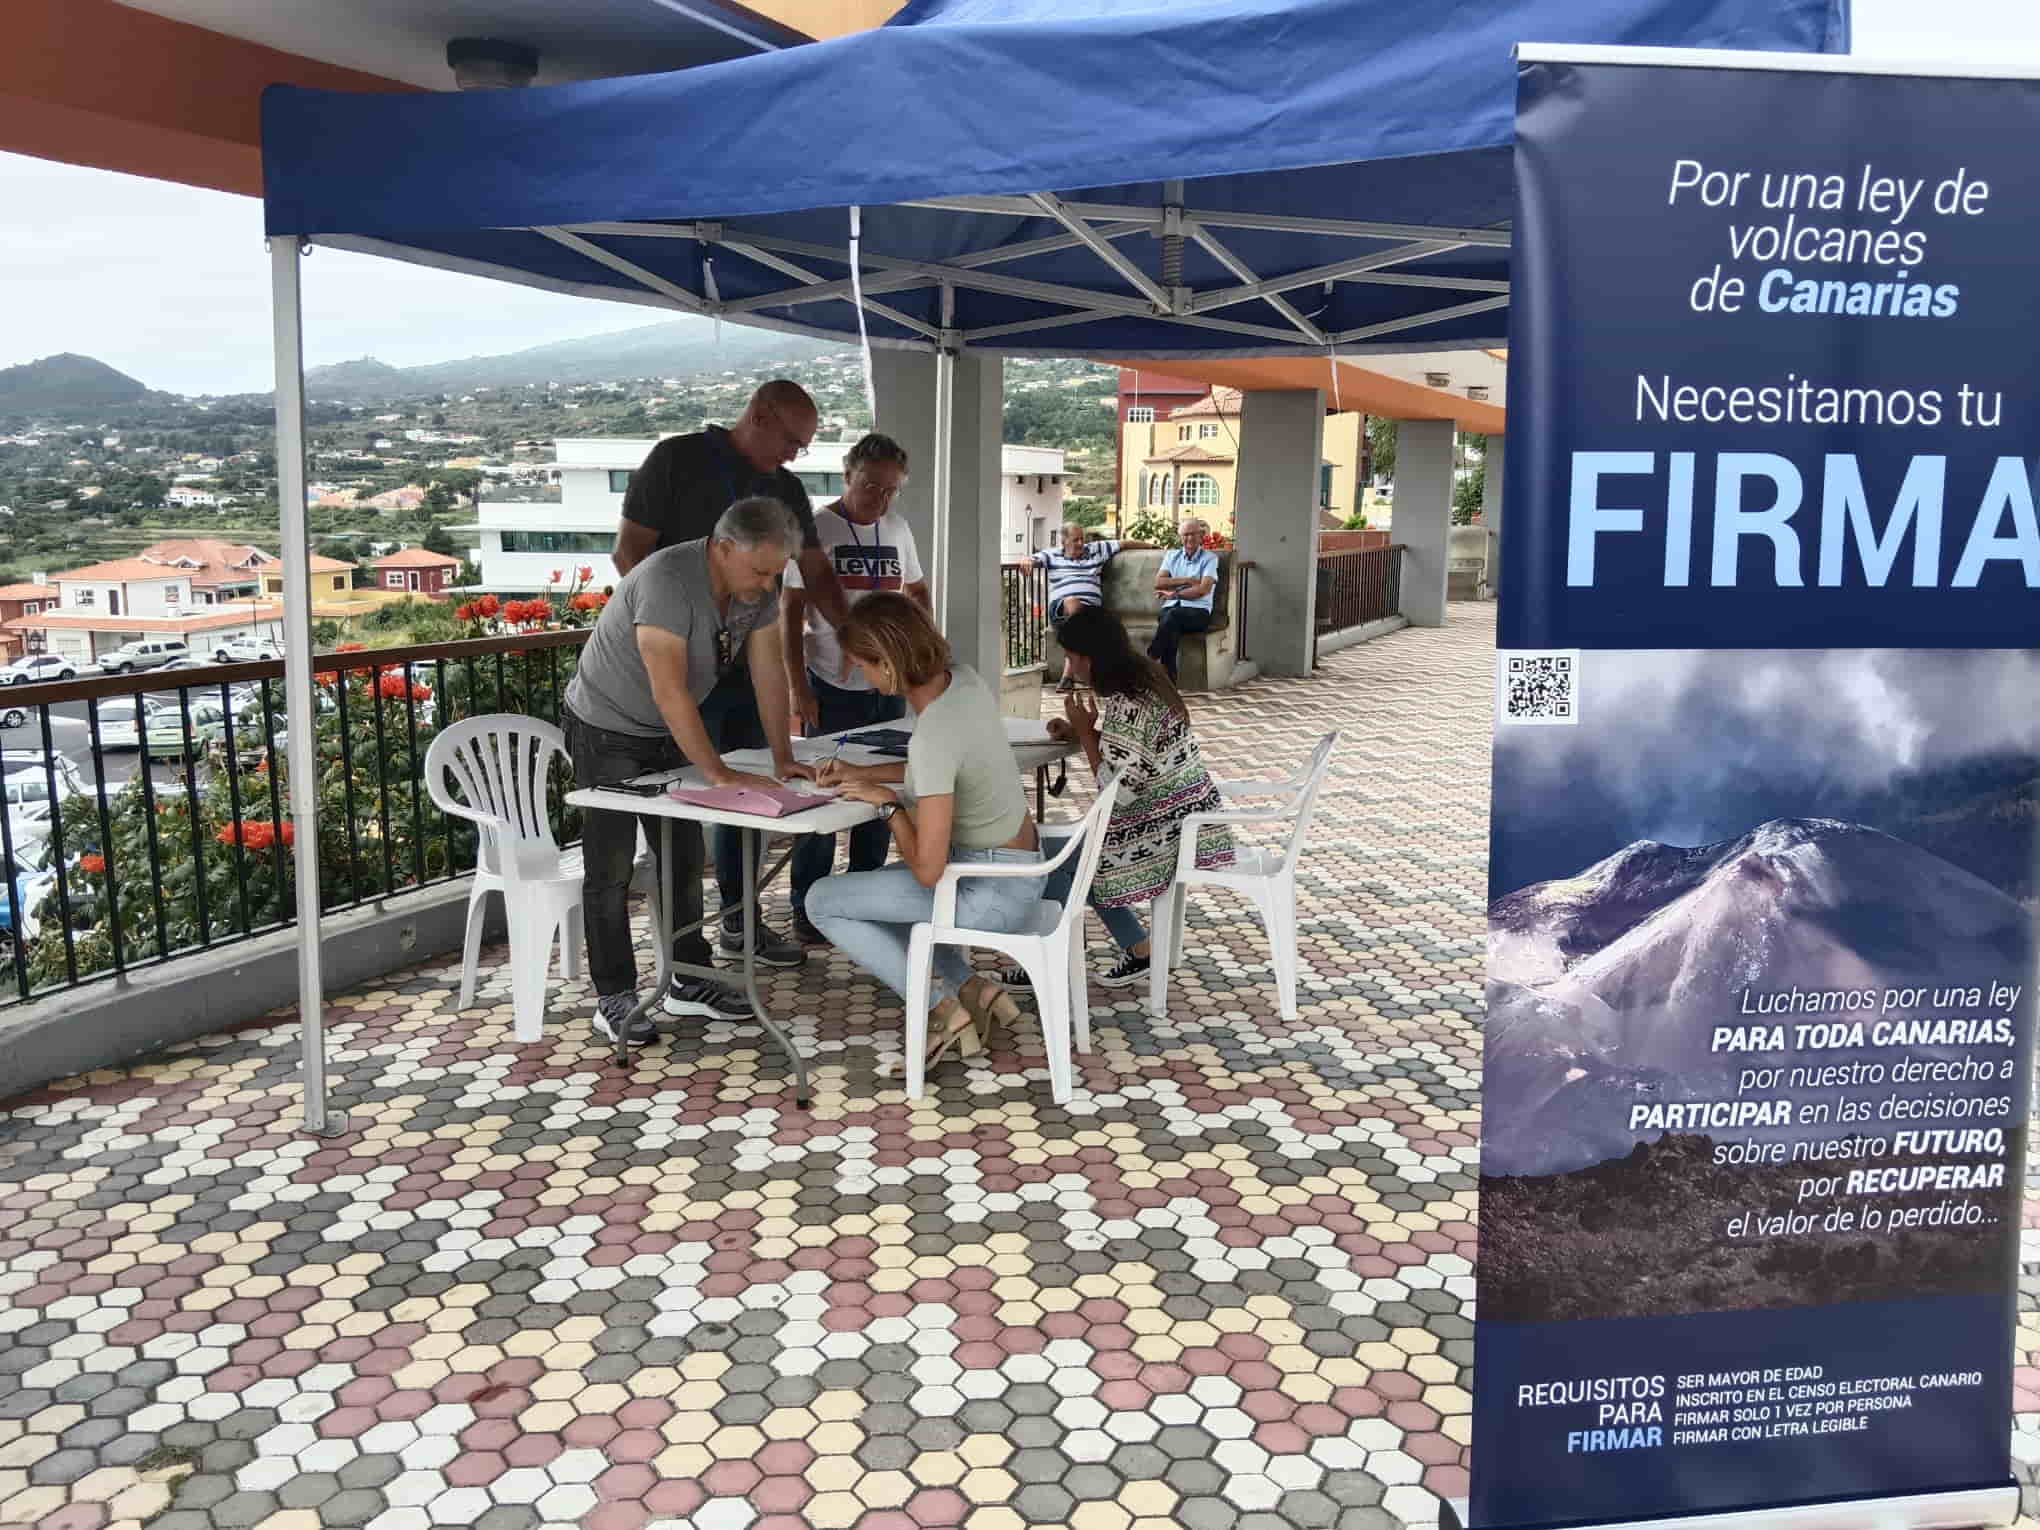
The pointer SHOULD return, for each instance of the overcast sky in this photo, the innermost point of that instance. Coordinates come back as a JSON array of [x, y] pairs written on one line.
[[169, 284]]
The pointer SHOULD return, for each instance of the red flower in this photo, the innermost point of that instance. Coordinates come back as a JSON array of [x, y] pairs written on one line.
[[488, 605], [255, 833], [465, 613], [553, 577], [96, 864], [588, 600], [350, 648], [587, 573]]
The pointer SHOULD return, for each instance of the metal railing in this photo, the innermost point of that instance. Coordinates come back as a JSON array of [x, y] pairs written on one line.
[[1355, 588], [1243, 570], [106, 876], [1023, 614]]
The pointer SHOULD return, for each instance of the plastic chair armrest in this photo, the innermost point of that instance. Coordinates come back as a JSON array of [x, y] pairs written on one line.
[[1257, 788]]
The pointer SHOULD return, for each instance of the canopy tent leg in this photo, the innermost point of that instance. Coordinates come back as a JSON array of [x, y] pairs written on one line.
[[301, 714], [945, 449]]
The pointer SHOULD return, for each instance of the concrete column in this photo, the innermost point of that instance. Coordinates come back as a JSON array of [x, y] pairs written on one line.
[[1491, 515], [1423, 516], [905, 382], [1275, 522]]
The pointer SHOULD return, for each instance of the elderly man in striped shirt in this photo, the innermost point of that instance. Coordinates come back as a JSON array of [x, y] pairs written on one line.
[[1076, 572]]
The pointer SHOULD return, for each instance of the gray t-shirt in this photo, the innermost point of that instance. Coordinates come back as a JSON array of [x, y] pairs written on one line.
[[671, 590], [959, 748]]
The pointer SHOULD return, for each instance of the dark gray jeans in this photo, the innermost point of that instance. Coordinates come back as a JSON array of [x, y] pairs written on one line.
[[609, 850]]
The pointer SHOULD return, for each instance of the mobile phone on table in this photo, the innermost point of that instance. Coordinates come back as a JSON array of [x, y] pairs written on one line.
[[637, 788]]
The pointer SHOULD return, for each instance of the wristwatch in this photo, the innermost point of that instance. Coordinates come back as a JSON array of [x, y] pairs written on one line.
[[886, 811]]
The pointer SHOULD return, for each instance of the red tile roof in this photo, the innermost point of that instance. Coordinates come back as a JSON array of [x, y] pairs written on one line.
[[1221, 400], [28, 592], [417, 557], [236, 614], [123, 568]]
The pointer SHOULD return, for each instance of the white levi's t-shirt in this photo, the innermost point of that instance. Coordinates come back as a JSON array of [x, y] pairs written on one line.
[[867, 559]]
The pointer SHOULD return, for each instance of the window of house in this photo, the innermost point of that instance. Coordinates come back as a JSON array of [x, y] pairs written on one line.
[[1206, 432], [85, 598], [558, 541], [619, 480], [1140, 414], [1324, 491], [394, 578], [1199, 489], [1182, 432]]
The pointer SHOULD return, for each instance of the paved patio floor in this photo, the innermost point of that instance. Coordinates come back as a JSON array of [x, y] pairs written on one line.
[[1230, 1285]]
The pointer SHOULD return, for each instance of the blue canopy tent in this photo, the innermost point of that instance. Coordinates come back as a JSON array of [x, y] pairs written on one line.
[[1201, 178]]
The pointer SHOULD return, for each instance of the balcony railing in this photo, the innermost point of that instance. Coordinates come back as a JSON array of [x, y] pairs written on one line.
[[1355, 588], [1023, 614], [107, 876]]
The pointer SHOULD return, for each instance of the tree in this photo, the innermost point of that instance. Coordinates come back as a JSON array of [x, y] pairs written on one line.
[[1085, 510], [438, 500], [1381, 445], [437, 540]]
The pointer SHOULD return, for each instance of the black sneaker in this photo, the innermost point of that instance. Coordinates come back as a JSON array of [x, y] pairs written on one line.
[[1016, 977], [1126, 974], [774, 949], [705, 1000], [806, 933], [617, 1012]]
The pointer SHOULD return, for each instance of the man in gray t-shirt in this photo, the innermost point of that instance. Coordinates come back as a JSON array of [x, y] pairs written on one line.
[[679, 620]]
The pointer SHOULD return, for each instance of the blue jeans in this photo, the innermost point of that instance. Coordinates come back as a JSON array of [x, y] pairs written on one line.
[[815, 854], [871, 915], [1122, 924]]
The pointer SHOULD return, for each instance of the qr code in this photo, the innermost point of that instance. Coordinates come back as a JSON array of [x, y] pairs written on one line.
[[1539, 688]]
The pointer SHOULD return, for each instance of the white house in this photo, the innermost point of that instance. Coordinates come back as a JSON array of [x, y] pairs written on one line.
[[185, 497], [103, 605], [521, 544]]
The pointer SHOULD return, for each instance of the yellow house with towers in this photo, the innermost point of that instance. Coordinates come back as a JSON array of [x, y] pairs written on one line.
[[1186, 462]]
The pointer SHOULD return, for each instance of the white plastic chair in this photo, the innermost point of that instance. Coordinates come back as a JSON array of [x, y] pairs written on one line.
[[1267, 876], [499, 766], [1050, 945]]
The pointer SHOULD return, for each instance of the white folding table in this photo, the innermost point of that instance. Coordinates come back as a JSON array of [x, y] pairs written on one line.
[[1032, 750]]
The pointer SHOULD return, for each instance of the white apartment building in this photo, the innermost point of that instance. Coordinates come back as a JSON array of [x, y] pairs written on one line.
[[521, 544]]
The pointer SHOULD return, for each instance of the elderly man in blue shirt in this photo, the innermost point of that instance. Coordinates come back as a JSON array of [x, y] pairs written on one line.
[[1187, 584]]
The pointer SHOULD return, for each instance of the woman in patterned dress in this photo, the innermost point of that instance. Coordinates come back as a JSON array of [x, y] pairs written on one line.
[[1139, 732]]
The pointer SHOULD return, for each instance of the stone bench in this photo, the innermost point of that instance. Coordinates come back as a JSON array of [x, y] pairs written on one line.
[[1206, 660]]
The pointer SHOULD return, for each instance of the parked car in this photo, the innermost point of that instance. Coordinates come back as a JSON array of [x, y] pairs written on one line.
[[13, 717], [246, 650], [168, 739], [25, 789], [30, 880], [120, 720], [144, 653], [36, 667]]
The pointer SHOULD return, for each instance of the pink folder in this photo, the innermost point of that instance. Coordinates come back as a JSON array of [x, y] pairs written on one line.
[[758, 801]]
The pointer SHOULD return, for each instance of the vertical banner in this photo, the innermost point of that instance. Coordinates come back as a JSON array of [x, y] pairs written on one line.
[[1766, 788]]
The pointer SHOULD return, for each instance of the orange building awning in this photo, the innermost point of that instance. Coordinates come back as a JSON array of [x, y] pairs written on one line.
[[1356, 388]]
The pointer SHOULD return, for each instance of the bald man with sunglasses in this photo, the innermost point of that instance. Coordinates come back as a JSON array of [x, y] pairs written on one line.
[[677, 495]]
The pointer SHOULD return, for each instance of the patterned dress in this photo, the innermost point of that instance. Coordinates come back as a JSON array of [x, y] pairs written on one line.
[[1162, 781]]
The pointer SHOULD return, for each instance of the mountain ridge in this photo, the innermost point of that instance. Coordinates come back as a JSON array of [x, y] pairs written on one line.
[[66, 380], [1604, 988], [675, 348]]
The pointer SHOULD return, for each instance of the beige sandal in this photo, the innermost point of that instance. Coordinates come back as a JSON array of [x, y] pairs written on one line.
[[961, 1032], [989, 1002]]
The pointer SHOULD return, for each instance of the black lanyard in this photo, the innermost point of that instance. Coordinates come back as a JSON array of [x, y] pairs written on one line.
[[873, 565]]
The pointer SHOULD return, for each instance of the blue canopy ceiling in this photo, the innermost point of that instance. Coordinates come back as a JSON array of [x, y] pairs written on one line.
[[1212, 177]]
